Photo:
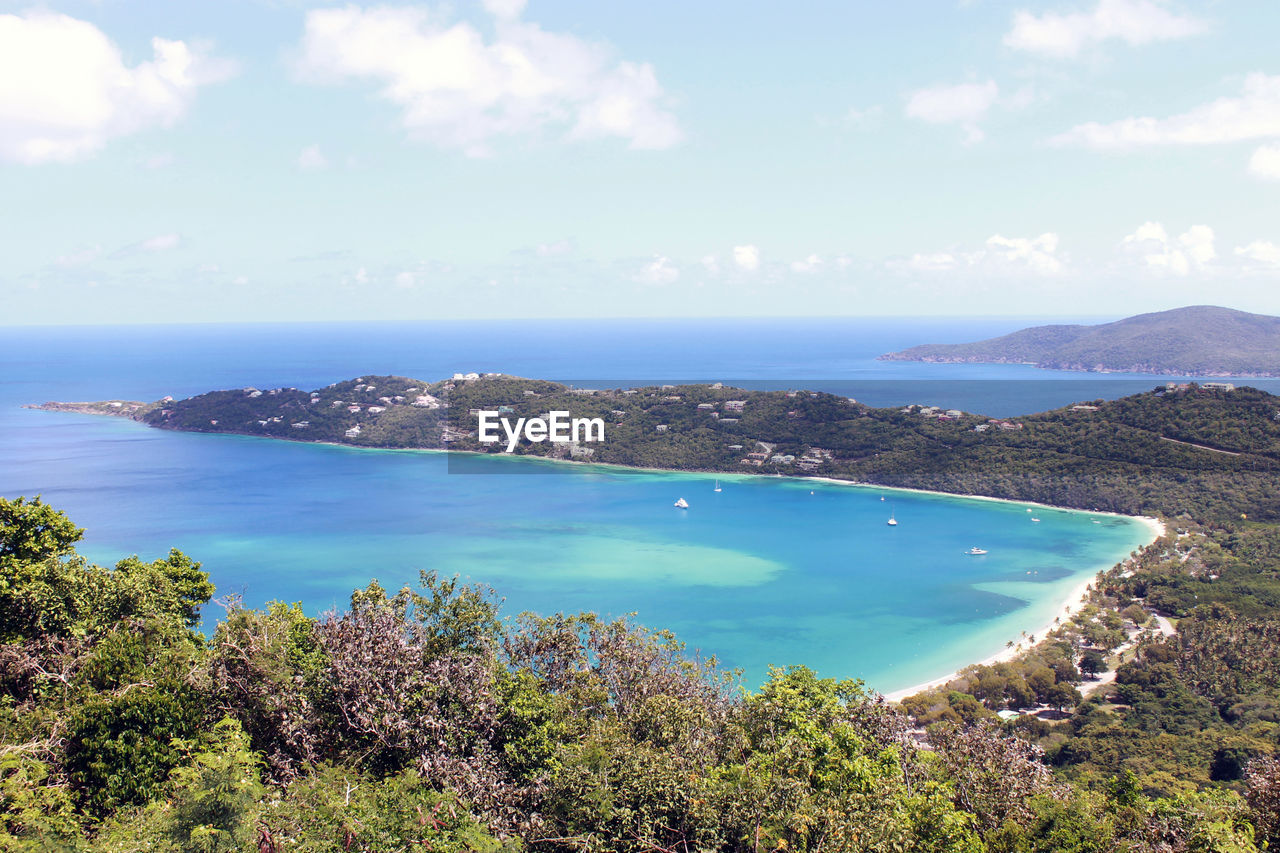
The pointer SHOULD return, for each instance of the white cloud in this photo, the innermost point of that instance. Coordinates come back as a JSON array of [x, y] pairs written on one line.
[[80, 257], [747, 257], [998, 255], [312, 158], [658, 271], [1255, 114], [405, 280], [504, 9], [160, 243], [559, 247], [362, 276], [813, 263], [458, 90], [1191, 251], [65, 90], [1148, 232], [1265, 162], [240, 280], [1262, 252], [1038, 254], [964, 104], [711, 264], [1198, 244], [932, 261], [1062, 36]]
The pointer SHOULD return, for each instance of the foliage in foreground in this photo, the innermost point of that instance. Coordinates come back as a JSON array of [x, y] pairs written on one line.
[[420, 720]]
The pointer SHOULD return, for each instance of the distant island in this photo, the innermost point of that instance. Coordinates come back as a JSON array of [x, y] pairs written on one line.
[[1210, 445], [1201, 340]]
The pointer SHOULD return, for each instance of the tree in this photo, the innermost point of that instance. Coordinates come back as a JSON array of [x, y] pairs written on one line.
[[1262, 793], [120, 749], [31, 531], [211, 804], [1093, 662], [181, 586], [266, 669], [995, 776]]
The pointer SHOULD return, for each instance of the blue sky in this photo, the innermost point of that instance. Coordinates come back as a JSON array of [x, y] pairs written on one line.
[[255, 160]]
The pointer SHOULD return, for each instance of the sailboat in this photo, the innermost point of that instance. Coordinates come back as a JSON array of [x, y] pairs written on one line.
[[892, 522], [682, 504], [718, 489]]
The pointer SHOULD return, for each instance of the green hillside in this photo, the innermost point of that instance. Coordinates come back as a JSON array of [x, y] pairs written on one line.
[[1212, 452]]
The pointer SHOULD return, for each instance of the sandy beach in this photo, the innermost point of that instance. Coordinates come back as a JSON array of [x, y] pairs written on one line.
[[1074, 602]]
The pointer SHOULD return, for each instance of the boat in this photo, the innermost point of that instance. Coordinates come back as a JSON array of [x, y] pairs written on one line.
[[1036, 520], [975, 551], [682, 504], [718, 489], [892, 522]]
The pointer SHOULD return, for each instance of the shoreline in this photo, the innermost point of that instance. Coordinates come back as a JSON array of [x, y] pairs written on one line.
[[1154, 524], [1074, 602]]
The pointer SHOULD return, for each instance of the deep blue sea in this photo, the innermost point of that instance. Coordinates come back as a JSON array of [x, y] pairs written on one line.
[[768, 571]]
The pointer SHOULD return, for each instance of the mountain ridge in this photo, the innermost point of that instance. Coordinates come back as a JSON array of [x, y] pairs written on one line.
[[1199, 340]]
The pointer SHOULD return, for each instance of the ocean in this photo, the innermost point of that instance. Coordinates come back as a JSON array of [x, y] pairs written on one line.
[[769, 571]]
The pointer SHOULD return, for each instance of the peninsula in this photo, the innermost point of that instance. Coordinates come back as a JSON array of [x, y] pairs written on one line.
[[1196, 341], [1211, 447]]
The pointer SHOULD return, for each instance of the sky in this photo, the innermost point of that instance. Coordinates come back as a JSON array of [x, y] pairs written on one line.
[[271, 160]]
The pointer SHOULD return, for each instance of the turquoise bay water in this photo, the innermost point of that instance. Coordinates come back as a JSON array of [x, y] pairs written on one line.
[[768, 571]]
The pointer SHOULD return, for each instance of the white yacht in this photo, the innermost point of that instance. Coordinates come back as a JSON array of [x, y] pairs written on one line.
[[718, 489], [892, 522], [975, 551], [682, 504]]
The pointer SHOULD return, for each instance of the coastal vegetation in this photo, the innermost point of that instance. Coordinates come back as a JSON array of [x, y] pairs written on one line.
[[1200, 340], [1181, 710], [1210, 452], [426, 719]]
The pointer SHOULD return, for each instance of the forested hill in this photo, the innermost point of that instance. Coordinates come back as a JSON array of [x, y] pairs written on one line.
[[1208, 452], [1197, 341]]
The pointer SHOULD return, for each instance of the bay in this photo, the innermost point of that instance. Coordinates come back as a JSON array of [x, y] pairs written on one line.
[[770, 571]]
